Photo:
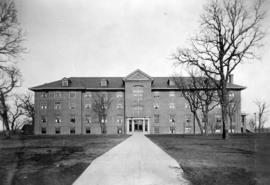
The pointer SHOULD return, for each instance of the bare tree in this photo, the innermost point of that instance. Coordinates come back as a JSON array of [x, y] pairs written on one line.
[[9, 79], [230, 32], [101, 105], [207, 96], [262, 109], [191, 96], [14, 114], [27, 106], [200, 95], [11, 36]]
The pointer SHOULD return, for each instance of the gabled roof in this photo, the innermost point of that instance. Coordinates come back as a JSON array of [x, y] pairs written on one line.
[[114, 83], [79, 83], [137, 75]]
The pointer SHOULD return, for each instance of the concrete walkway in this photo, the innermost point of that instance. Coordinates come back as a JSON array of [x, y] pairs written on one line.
[[136, 161]]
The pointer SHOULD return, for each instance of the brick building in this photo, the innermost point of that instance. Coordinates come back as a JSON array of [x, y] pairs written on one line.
[[138, 103]]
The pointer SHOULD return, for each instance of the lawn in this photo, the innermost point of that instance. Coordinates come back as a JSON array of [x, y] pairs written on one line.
[[50, 160], [209, 160]]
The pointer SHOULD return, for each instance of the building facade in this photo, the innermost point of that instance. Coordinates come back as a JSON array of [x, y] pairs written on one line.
[[137, 103]]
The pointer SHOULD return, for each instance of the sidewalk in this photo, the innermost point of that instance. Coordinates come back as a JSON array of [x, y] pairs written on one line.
[[136, 161]]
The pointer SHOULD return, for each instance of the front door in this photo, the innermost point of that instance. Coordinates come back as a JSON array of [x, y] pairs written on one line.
[[138, 125]]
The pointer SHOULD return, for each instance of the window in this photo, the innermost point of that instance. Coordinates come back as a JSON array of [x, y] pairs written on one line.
[[188, 129], [57, 130], [171, 82], [156, 94], [88, 95], [88, 130], [218, 123], [57, 105], [138, 91], [43, 119], [172, 129], [119, 95], [231, 94], [172, 106], [44, 95], [119, 106], [43, 105], [119, 130], [188, 118], [156, 118], [43, 130], [72, 94], [156, 106], [57, 94], [88, 119], [58, 119], [171, 93], [72, 130], [156, 130], [65, 82], [172, 118], [72, 119], [119, 119], [138, 108], [72, 106], [104, 83], [105, 96], [87, 106], [103, 120]]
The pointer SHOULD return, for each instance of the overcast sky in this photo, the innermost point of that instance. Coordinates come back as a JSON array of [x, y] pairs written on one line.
[[113, 38]]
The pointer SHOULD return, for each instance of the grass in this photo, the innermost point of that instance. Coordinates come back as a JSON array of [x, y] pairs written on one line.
[[54, 160], [209, 160]]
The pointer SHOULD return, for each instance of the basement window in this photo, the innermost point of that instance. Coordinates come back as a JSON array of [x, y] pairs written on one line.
[[88, 130], [72, 130], [43, 130]]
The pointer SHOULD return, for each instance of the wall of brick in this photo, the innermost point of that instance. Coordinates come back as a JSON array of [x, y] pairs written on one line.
[[116, 113]]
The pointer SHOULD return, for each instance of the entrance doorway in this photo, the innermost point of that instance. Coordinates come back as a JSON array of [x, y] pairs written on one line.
[[137, 125]]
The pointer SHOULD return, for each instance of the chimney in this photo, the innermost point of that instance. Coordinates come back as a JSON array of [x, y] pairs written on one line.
[[231, 78]]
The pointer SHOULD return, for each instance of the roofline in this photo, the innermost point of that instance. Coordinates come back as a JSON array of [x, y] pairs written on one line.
[[74, 88], [120, 89]]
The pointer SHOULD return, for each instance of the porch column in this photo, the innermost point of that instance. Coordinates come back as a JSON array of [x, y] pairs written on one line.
[[132, 126], [143, 128]]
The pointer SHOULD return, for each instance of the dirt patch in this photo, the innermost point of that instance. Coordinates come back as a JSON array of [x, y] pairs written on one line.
[[61, 175], [50, 160]]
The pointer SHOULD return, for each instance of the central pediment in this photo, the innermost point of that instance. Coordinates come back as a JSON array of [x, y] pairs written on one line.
[[138, 75]]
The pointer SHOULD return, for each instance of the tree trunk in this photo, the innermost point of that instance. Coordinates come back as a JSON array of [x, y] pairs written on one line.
[[4, 115], [230, 117], [205, 115], [224, 109], [6, 123], [194, 124], [224, 122], [199, 122]]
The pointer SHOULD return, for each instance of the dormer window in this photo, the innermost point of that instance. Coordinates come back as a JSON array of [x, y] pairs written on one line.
[[104, 83], [65, 82], [171, 82]]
